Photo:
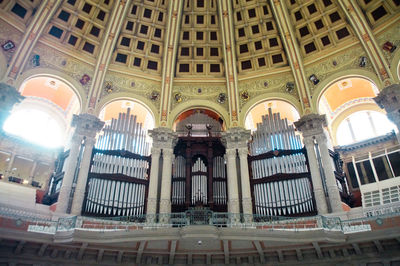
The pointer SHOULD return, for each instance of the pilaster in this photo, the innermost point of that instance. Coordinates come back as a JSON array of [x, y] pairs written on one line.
[[228, 40], [293, 52], [106, 50], [361, 27], [171, 44]]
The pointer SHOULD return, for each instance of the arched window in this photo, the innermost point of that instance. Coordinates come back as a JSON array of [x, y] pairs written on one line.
[[362, 125], [36, 126]]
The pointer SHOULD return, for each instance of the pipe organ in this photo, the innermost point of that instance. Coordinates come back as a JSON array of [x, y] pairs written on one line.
[[118, 177], [280, 177], [199, 174]]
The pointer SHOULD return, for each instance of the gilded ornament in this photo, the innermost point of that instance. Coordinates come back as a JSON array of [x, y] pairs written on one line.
[[221, 98], [244, 95], [109, 87], [178, 97]]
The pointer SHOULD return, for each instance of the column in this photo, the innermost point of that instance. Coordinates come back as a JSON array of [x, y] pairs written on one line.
[[319, 194], [311, 126], [389, 99], [70, 166], [165, 197], [9, 96], [163, 140], [80, 188], [86, 128], [153, 182], [233, 193], [245, 182]]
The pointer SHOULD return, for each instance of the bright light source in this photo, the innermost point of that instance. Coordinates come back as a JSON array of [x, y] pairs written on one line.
[[35, 126]]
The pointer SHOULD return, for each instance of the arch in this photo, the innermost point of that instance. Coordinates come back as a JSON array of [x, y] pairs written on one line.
[[3, 65], [330, 80], [52, 73], [204, 104], [395, 65], [290, 99], [128, 97], [346, 112]]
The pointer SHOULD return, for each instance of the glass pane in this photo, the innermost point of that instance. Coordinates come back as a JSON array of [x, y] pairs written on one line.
[[382, 168], [394, 159], [365, 173], [352, 175]]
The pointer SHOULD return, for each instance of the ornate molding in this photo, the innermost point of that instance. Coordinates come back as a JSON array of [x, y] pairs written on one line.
[[311, 125], [87, 125], [235, 138], [163, 137]]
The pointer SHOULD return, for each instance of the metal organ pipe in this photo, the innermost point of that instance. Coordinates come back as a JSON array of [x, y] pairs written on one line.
[[118, 176], [280, 177]]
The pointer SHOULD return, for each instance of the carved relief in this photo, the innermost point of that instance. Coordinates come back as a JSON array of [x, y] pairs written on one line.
[[53, 59], [9, 33], [350, 59], [190, 92], [265, 85]]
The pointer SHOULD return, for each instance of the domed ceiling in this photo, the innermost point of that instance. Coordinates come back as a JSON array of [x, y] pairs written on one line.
[[212, 52]]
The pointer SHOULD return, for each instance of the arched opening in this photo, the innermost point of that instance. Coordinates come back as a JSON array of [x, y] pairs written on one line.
[[351, 112], [44, 116], [199, 122], [199, 169], [283, 108]]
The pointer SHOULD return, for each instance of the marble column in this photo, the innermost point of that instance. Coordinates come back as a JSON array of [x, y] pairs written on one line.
[[86, 128], [164, 140], [312, 126], [329, 170], [80, 188], [69, 166], [389, 99], [165, 197], [245, 182], [236, 140], [153, 182], [9, 96], [233, 192], [319, 194]]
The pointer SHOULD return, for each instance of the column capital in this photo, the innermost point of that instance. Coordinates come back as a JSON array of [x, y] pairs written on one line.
[[236, 137], [87, 124], [311, 125], [389, 99], [163, 137]]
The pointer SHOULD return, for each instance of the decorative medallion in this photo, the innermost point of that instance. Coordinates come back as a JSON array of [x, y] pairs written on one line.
[[109, 87], [8, 45], [154, 96], [178, 97], [363, 61], [85, 79], [221, 98], [389, 47], [289, 87], [199, 90], [313, 78], [265, 84], [36, 60], [244, 95]]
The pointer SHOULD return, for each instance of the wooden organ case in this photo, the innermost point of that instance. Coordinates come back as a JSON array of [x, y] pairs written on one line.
[[199, 169], [119, 172]]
